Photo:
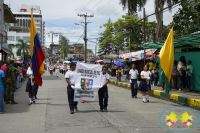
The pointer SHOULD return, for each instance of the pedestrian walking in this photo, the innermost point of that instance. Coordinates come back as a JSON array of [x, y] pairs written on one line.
[[29, 85], [70, 78], [145, 86], [103, 91], [133, 80], [127, 70], [57, 70], [189, 75], [11, 82], [155, 75], [2, 84]]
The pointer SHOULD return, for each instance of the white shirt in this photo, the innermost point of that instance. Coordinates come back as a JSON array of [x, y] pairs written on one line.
[[181, 65], [190, 71], [29, 72], [57, 67], [133, 73], [145, 74], [104, 78], [71, 76]]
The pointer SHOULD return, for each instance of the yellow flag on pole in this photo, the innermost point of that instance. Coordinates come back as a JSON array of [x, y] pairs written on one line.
[[167, 55]]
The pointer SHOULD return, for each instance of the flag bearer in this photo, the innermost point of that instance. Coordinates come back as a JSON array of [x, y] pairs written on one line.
[[57, 70], [133, 80], [145, 84], [103, 91], [70, 78]]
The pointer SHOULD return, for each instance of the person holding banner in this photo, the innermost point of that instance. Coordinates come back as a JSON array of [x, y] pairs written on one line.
[[103, 91], [145, 84], [70, 78]]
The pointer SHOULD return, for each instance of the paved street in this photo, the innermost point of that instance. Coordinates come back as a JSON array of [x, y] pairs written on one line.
[[51, 112]]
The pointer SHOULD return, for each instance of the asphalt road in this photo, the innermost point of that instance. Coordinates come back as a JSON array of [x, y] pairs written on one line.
[[51, 112]]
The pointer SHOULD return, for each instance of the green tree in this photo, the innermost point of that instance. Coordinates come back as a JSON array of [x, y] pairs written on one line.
[[132, 5], [10, 48], [187, 19], [64, 42], [23, 49]]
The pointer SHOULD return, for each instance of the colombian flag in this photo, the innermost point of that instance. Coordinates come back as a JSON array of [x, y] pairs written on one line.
[[167, 56], [37, 54]]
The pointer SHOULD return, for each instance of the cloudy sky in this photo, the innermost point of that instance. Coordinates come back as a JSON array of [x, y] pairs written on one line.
[[60, 15]]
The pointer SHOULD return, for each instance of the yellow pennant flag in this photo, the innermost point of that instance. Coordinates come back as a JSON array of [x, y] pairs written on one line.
[[167, 56]]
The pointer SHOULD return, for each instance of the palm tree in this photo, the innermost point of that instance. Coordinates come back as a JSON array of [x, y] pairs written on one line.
[[64, 42], [10, 48], [133, 5], [23, 49], [159, 5]]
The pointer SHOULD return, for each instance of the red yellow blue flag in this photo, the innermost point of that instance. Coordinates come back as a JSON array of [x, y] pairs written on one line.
[[37, 54]]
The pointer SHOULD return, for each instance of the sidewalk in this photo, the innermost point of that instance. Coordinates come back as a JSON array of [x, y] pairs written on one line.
[[188, 98]]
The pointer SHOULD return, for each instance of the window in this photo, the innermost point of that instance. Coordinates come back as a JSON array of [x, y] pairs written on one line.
[[26, 38], [11, 38], [18, 38]]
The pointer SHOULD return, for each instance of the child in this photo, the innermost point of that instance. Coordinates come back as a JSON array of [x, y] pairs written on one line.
[[117, 71], [103, 91], [145, 84], [70, 78]]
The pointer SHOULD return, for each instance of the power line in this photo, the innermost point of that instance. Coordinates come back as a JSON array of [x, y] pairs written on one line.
[[96, 5]]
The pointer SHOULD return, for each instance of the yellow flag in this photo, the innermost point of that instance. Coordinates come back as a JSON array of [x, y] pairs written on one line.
[[167, 56]]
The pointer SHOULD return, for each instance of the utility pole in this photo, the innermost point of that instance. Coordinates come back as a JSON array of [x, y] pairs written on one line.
[[85, 38], [144, 35]]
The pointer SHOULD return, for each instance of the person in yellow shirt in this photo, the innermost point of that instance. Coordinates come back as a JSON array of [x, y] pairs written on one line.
[[119, 73], [151, 66]]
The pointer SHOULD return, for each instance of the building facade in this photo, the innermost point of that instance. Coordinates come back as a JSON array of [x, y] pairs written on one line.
[[21, 29], [52, 38], [6, 16]]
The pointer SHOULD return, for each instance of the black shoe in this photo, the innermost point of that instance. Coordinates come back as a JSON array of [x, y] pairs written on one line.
[[148, 100], [101, 110], [105, 110], [34, 102], [29, 103], [135, 96], [76, 109], [72, 111]]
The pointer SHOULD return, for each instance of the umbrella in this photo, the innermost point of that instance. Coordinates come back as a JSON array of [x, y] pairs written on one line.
[[98, 61], [119, 63], [19, 62], [25, 62], [66, 62]]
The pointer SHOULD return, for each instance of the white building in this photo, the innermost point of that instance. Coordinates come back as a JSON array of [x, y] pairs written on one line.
[[21, 29], [52, 38]]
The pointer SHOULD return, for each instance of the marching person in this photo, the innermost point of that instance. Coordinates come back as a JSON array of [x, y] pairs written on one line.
[[11, 84], [103, 91], [51, 67], [30, 85], [145, 84], [70, 78], [57, 70], [133, 80]]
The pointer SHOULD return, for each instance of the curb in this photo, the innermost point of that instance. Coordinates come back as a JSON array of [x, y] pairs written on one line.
[[193, 102]]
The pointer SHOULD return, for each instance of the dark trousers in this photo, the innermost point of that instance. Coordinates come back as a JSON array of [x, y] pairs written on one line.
[[134, 84], [70, 93], [188, 82], [103, 97], [181, 80], [119, 76], [155, 81]]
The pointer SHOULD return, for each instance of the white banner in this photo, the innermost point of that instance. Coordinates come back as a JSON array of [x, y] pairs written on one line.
[[88, 81]]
